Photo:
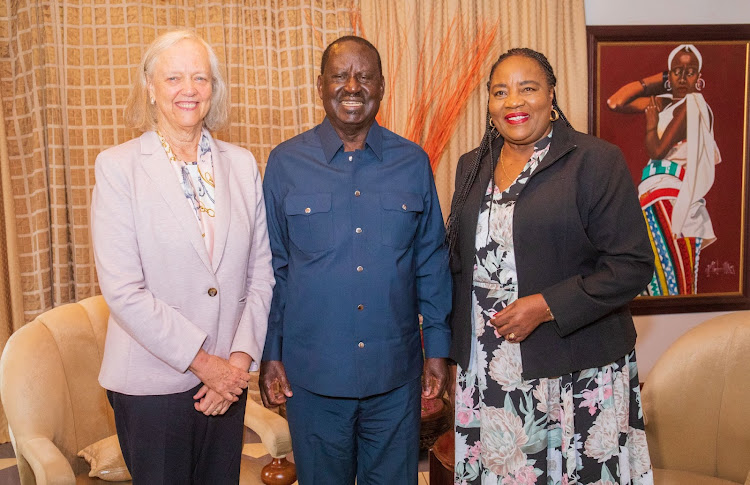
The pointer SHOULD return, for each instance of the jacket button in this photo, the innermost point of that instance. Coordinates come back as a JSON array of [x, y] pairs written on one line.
[[357, 193], [360, 307], [361, 345], [360, 269], [212, 292]]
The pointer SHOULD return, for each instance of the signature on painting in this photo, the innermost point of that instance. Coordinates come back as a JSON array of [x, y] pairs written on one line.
[[715, 268]]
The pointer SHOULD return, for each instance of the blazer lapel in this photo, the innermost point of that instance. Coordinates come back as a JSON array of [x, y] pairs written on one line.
[[156, 165], [223, 202]]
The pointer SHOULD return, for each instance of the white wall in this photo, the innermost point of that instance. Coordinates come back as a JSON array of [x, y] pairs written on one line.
[[657, 332], [666, 12]]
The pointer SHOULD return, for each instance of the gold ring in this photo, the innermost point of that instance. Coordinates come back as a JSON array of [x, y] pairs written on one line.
[[511, 336]]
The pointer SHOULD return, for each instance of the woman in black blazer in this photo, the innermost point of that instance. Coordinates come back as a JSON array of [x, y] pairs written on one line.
[[548, 246]]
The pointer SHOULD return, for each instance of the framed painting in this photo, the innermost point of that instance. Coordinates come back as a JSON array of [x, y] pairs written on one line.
[[675, 99]]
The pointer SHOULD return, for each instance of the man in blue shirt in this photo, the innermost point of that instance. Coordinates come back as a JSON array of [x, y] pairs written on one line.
[[358, 253]]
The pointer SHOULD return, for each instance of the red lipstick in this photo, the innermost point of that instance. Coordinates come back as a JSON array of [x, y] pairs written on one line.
[[517, 118]]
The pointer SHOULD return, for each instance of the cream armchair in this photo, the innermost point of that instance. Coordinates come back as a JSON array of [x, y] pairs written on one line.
[[696, 402], [56, 407]]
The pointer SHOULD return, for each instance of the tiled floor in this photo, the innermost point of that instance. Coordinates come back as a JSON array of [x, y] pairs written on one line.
[[251, 451]]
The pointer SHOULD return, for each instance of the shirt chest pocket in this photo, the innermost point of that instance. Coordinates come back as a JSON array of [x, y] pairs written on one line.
[[401, 211], [310, 221]]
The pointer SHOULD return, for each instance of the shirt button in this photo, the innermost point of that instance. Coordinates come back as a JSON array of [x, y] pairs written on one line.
[[360, 307], [212, 292], [403, 206], [356, 193], [350, 158], [358, 230], [361, 345], [360, 269], [307, 210]]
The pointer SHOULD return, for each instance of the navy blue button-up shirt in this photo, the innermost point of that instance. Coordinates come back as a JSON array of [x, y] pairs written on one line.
[[358, 252]]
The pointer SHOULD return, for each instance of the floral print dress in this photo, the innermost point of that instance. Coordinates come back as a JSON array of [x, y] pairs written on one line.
[[583, 428]]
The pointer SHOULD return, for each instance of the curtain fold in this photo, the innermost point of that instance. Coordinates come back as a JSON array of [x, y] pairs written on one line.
[[11, 304]]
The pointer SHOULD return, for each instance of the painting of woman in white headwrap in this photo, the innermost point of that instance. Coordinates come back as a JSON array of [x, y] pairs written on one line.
[[680, 170]]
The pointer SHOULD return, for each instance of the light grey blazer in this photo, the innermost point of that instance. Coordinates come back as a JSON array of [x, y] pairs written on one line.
[[166, 297]]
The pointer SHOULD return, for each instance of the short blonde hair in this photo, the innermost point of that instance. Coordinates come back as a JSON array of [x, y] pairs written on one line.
[[141, 115]]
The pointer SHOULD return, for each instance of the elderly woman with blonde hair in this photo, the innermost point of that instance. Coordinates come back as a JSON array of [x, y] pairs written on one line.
[[183, 260]]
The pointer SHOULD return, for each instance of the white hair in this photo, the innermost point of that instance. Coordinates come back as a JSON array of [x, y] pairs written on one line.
[[141, 115]]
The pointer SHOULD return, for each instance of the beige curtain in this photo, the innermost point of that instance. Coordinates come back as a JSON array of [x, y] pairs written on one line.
[[406, 30], [66, 69]]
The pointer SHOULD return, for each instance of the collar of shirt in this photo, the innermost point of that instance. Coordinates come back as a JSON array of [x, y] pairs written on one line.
[[331, 142]]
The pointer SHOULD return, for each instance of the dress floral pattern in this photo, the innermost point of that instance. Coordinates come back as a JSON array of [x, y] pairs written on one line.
[[583, 428]]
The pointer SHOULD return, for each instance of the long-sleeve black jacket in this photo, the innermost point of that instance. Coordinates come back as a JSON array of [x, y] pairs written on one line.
[[580, 240]]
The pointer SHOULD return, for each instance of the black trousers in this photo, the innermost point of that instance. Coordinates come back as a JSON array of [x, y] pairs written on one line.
[[164, 440]]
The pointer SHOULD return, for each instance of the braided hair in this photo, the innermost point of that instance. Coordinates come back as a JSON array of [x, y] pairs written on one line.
[[490, 133]]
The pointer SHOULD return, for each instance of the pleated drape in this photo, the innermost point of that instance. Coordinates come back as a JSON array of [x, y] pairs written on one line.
[[11, 304]]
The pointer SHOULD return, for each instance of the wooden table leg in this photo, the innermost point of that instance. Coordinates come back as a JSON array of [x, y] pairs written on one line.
[[439, 474]]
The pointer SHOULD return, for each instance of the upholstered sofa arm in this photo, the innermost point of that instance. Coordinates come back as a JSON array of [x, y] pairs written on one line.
[[272, 429], [48, 463]]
